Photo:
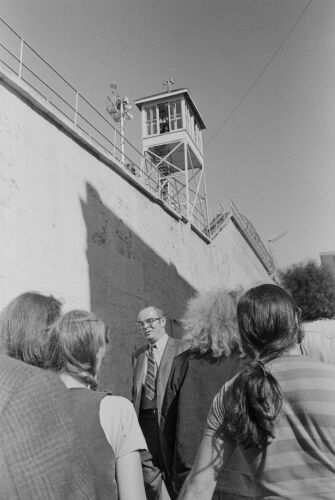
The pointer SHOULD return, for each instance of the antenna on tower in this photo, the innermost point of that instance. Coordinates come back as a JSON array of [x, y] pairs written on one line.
[[167, 83]]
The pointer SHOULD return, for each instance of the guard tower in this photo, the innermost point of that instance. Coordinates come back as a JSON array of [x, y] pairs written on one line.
[[173, 162]]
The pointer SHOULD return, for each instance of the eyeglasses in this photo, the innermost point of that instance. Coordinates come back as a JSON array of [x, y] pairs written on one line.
[[149, 322]]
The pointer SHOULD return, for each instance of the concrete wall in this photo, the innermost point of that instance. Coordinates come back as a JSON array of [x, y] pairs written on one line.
[[72, 226]]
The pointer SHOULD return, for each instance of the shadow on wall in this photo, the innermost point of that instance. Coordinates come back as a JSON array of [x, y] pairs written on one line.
[[125, 276]]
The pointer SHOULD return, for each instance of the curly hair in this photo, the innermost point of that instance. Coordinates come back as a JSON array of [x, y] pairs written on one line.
[[24, 325], [210, 323], [74, 343]]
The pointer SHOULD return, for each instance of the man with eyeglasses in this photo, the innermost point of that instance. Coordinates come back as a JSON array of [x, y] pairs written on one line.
[[151, 370]]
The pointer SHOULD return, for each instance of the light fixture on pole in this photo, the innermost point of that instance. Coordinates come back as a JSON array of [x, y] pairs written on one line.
[[118, 107], [278, 236]]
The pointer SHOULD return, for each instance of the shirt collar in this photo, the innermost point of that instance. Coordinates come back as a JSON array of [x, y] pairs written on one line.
[[71, 382], [161, 343]]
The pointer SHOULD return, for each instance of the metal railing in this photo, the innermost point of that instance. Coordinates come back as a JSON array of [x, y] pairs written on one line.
[[247, 230], [218, 222], [250, 234], [19, 58]]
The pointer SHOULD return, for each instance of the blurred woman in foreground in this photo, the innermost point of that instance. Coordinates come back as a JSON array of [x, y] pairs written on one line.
[[279, 410], [107, 424], [24, 326], [214, 357], [38, 437]]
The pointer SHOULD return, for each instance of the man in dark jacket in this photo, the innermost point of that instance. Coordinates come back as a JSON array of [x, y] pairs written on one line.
[[151, 370]]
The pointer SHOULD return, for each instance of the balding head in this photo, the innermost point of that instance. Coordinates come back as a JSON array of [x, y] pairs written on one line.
[[151, 321]]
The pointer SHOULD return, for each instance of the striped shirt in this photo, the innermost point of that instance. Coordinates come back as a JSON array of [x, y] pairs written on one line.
[[299, 464]]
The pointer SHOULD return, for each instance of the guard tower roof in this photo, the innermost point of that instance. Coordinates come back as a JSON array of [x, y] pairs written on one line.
[[172, 93]]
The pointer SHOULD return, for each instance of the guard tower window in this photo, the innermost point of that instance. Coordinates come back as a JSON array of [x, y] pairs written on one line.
[[164, 125], [151, 120], [176, 121], [163, 117]]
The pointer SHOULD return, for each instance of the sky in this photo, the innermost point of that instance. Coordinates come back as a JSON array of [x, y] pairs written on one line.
[[262, 73]]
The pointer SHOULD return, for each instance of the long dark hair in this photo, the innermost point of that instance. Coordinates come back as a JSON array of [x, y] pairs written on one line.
[[269, 325]]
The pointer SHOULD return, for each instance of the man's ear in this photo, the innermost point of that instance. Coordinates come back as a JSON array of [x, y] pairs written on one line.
[[163, 320], [300, 331], [300, 334]]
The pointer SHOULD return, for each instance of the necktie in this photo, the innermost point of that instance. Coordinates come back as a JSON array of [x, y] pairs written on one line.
[[150, 379]]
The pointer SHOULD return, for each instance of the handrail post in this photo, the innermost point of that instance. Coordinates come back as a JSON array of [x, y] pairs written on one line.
[[76, 109], [114, 142], [21, 57]]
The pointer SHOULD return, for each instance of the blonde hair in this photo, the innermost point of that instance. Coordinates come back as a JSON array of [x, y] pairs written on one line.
[[210, 322], [74, 342]]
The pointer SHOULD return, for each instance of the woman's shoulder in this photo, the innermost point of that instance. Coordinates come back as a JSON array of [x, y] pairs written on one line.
[[118, 402], [192, 356], [196, 357], [119, 422], [183, 359], [183, 356], [117, 409]]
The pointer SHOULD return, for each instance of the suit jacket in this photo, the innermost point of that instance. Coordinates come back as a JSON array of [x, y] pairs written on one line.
[[173, 348], [40, 454], [194, 380]]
